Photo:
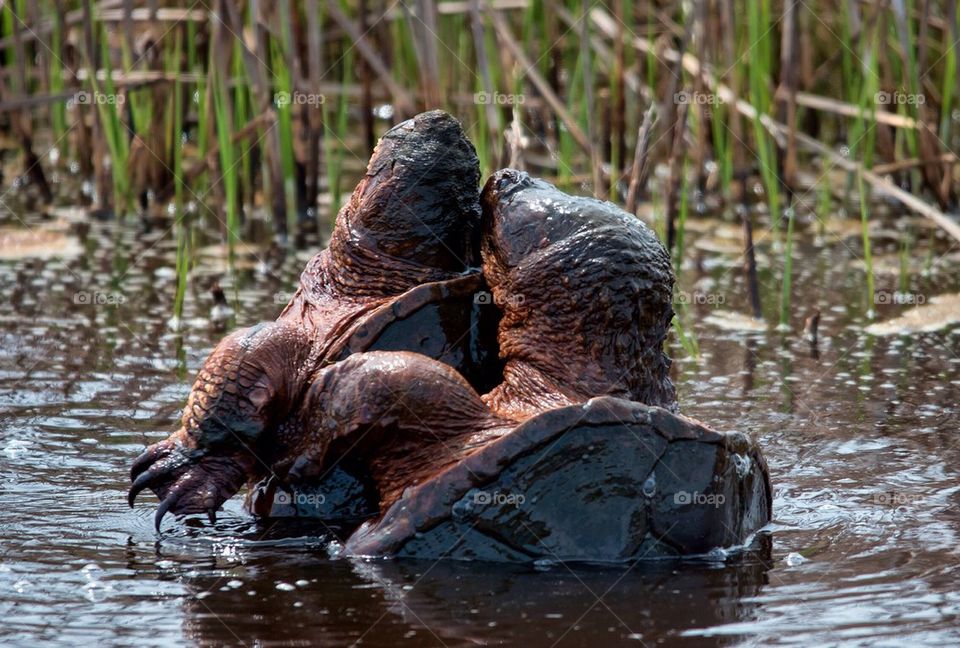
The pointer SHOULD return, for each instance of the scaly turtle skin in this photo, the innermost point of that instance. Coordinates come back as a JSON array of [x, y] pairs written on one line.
[[575, 452], [586, 292], [399, 273]]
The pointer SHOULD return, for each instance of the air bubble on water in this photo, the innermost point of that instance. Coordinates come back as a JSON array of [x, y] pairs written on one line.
[[285, 587], [302, 583], [544, 564], [334, 549], [234, 584], [793, 559], [15, 448]]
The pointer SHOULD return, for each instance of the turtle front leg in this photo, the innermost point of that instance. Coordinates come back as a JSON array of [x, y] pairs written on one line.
[[386, 418]]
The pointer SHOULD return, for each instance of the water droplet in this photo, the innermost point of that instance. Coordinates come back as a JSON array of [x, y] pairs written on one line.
[[793, 559]]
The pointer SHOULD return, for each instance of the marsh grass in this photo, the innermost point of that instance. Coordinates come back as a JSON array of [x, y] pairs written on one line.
[[867, 251], [602, 61]]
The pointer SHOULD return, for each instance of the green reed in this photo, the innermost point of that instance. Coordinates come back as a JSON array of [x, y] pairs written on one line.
[[786, 286], [282, 51], [110, 107], [182, 225], [867, 253], [336, 144], [228, 158], [758, 59], [873, 46]]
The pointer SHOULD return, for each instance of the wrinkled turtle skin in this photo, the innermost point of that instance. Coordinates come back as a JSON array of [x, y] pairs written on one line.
[[400, 272], [393, 392], [586, 291]]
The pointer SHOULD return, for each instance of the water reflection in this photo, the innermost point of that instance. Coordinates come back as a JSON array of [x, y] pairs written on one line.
[[455, 603]]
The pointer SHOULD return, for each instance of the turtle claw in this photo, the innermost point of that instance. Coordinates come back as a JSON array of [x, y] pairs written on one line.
[[157, 468], [140, 483], [150, 456], [187, 481], [162, 510]]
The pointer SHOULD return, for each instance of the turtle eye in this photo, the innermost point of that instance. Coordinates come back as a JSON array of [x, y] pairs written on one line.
[[505, 181]]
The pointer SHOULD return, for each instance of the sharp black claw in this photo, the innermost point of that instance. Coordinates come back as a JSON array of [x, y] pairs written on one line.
[[161, 511], [212, 515], [146, 459], [140, 483]]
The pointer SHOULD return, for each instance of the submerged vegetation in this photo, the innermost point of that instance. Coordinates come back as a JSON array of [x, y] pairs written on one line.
[[213, 116]]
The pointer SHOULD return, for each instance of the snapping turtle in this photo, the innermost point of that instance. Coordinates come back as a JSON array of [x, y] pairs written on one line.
[[586, 291], [364, 397], [399, 273]]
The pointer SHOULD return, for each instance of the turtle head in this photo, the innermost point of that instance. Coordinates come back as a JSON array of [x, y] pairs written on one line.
[[523, 215], [242, 394], [417, 204]]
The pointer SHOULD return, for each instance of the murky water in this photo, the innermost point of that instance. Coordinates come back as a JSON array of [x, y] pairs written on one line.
[[861, 437]]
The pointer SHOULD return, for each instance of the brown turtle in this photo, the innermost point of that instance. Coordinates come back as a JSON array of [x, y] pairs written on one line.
[[399, 273], [374, 370], [586, 292]]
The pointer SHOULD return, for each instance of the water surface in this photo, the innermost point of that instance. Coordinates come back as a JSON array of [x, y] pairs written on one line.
[[860, 434]]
